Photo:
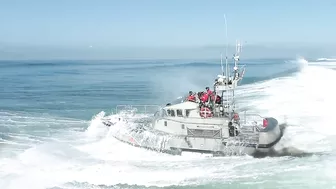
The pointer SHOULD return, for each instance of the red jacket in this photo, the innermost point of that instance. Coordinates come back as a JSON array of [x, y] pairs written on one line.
[[191, 98], [205, 97]]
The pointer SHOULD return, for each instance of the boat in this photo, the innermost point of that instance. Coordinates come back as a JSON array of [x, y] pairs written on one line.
[[211, 127]]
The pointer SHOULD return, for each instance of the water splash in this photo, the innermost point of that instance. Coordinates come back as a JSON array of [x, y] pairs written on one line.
[[305, 98]]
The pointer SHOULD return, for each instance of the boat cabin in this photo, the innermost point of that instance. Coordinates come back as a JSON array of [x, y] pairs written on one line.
[[183, 118], [184, 109]]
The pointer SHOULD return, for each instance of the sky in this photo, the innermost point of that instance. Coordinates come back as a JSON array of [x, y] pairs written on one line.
[[167, 29]]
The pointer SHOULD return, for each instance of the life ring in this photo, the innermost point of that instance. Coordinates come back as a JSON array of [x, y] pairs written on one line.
[[205, 112]]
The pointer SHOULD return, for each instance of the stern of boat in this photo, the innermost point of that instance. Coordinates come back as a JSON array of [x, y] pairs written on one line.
[[267, 129], [269, 133]]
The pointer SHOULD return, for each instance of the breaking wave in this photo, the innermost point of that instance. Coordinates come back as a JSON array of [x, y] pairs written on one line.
[[92, 158]]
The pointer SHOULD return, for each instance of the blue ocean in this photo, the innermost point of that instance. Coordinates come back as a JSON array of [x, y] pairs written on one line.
[[50, 137]]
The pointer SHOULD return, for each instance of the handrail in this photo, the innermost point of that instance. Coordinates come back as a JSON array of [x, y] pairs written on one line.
[[156, 108], [181, 120], [145, 106], [190, 118], [125, 107]]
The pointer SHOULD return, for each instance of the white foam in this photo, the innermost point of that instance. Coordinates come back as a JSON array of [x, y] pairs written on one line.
[[306, 99], [95, 128]]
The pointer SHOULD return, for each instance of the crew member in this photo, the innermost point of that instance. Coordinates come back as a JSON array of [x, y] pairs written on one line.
[[208, 91], [218, 99], [191, 97], [211, 94], [236, 73], [216, 82], [204, 97]]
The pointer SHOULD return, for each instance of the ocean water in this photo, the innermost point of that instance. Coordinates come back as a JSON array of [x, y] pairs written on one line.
[[50, 138]]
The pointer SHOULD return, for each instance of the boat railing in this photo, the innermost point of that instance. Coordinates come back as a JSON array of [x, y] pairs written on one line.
[[251, 116], [245, 119], [191, 120], [142, 109]]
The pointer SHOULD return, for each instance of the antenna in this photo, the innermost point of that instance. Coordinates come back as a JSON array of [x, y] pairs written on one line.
[[237, 53], [226, 59], [226, 49], [222, 63]]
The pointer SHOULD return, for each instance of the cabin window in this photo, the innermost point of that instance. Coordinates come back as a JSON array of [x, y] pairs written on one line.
[[172, 113], [182, 126], [163, 113], [160, 113], [165, 123], [187, 113], [179, 113]]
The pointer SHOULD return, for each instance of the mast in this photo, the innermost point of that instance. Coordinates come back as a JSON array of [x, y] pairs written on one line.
[[226, 59], [236, 57], [227, 44], [226, 83], [221, 61]]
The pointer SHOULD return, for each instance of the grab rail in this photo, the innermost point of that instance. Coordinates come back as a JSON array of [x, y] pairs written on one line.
[[138, 108], [246, 118]]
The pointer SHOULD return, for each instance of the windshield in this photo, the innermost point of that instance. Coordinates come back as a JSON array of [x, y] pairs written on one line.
[[178, 100]]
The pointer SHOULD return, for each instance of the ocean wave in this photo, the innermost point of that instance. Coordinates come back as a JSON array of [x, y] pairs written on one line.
[[60, 154]]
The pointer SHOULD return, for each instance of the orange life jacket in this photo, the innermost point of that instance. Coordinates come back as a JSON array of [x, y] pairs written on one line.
[[191, 98], [205, 97]]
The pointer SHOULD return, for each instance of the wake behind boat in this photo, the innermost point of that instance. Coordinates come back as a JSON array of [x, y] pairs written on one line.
[[203, 123]]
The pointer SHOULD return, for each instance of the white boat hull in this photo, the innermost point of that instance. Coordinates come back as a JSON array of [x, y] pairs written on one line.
[[176, 145]]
